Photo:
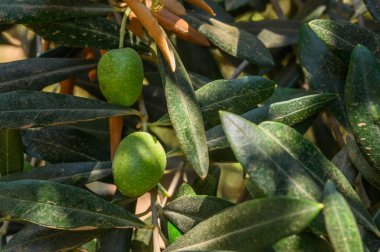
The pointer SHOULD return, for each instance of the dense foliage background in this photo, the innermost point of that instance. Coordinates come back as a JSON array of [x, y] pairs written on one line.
[[277, 149]]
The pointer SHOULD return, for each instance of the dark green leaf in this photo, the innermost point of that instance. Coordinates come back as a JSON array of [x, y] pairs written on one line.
[[271, 168], [210, 185], [118, 240], [47, 11], [61, 206], [25, 109], [362, 96], [234, 41], [370, 240], [79, 146], [246, 227], [305, 242], [285, 149], [340, 222], [11, 152], [342, 37], [237, 95], [323, 70], [290, 112], [188, 211], [371, 174], [374, 8], [35, 238], [35, 74], [282, 94], [98, 33], [185, 114], [70, 173], [343, 162]]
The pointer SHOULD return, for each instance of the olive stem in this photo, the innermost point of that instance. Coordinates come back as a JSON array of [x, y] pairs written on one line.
[[122, 28], [67, 86], [144, 114], [156, 229], [173, 185]]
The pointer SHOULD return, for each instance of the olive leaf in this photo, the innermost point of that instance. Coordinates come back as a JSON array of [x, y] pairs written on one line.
[[69, 173], [340, 222], [234, 41], [188, 211], [96, 32], [47, 11], [341, 37], [35, 74], [61, 206], [25, 109], [233, 228], [323, 70], [185, 114], [286, 152], [301, 243], [237, 95], [35, 238], [373, 7], [363, 103], [11, 152], [290, 112]]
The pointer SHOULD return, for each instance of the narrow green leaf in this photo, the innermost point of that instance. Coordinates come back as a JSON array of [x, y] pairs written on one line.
[[246, 227], [290, 112], [284, 94], [371, 174], [271, 168], [35, 74], [93, 32], [363, 103], [79, 146], [371, 241], [173, 232], [47, 11], [341, 37], [11, 152], [25, 109], [188, 211], [33, 238], [343, 162], [373, 7], [237, 95], [324, 71], [340, 222], [61, 206], [69, 173], [232, 40], [281, 143], [305, 242], [185, 114]]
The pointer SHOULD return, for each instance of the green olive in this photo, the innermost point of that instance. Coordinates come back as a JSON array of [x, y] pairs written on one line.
[[121, 76], [139, 164]]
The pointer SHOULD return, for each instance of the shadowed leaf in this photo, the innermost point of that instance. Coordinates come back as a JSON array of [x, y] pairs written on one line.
[[35, 74], [61, 206], [246, 227], [25, 109]]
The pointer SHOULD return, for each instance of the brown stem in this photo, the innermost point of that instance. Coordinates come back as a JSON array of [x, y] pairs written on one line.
[[67, 86], [116, 132]]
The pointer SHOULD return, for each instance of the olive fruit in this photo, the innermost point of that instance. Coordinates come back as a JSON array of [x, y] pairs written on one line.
[[139, 164], [121, 75]]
